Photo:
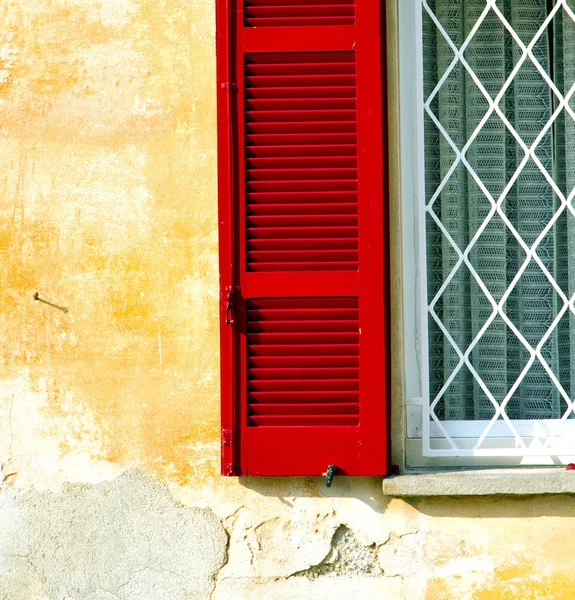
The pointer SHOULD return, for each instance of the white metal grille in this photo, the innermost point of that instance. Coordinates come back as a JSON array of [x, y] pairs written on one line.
[[500, 434]]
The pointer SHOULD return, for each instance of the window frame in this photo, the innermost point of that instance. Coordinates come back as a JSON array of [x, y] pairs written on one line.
[[410, 428]]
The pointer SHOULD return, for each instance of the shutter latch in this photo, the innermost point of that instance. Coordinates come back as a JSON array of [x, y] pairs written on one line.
[[230, 305], [329, 475]]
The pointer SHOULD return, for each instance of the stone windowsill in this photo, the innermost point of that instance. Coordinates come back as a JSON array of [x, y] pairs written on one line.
[[481, 482]]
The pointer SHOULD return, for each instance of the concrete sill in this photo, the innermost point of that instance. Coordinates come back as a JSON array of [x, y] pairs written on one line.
[[482, 482]]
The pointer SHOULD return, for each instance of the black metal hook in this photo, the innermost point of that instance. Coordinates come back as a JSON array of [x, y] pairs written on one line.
[[330, 474]]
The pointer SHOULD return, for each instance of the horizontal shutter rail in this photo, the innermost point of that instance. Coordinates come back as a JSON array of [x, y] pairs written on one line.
[[298, 304]]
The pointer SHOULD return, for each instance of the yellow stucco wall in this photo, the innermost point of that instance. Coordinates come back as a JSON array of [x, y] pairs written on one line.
[[108, 210]]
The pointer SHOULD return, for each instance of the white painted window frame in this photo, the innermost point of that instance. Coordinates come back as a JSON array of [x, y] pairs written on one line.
[[426, 443]]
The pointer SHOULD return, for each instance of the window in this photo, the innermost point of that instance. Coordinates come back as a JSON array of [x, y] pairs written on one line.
[[301, 183], [488, 179]]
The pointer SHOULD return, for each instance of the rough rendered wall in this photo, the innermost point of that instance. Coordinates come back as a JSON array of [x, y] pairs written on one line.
[[109, 395]]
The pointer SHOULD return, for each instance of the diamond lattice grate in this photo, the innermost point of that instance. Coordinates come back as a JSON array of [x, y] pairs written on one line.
[[495, 169]]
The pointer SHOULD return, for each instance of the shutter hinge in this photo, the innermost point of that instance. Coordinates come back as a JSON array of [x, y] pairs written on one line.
[[230, 304], [229, 86], [226, 437], [228, 468]]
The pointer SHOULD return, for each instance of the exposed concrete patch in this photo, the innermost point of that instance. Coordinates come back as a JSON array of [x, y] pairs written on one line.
[[122, 539], [347, 557]]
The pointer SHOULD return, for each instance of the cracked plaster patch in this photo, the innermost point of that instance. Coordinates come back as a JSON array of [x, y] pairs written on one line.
[[122, 539]]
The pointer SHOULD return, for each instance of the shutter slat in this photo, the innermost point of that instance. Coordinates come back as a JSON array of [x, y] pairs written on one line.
[[305, 266], [301, 127], [249, 3], [273, 373], [297, 197], [299, 10], [300, 174], [280, 326], [278, 13], [311, 397], [297, 68], [315, 80], [293, 220], [266, 150], [326, 185], [297, 139], [291, 104], [302, 421], [289, 116], [266, 233], [302, 314], [298, 162], [297, 57], [302, 209], [278, 385], [302, 244], [319, 349], [296, 304], [283, 93], [304, 409], [302, 361]]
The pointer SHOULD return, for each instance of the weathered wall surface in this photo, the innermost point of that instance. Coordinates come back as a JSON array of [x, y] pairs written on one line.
[[109, 395]]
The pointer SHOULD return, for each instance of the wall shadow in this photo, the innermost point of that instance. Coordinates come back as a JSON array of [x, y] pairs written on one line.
[[366, 489]]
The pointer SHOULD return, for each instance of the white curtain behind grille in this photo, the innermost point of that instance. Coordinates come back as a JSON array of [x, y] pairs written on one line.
[[495, 155]]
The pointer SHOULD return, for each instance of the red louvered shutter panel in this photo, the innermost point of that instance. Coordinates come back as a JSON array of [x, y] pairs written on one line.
[[301, 175]]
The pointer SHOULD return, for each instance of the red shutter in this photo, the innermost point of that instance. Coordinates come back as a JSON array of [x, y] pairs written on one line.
[[301, 176]]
